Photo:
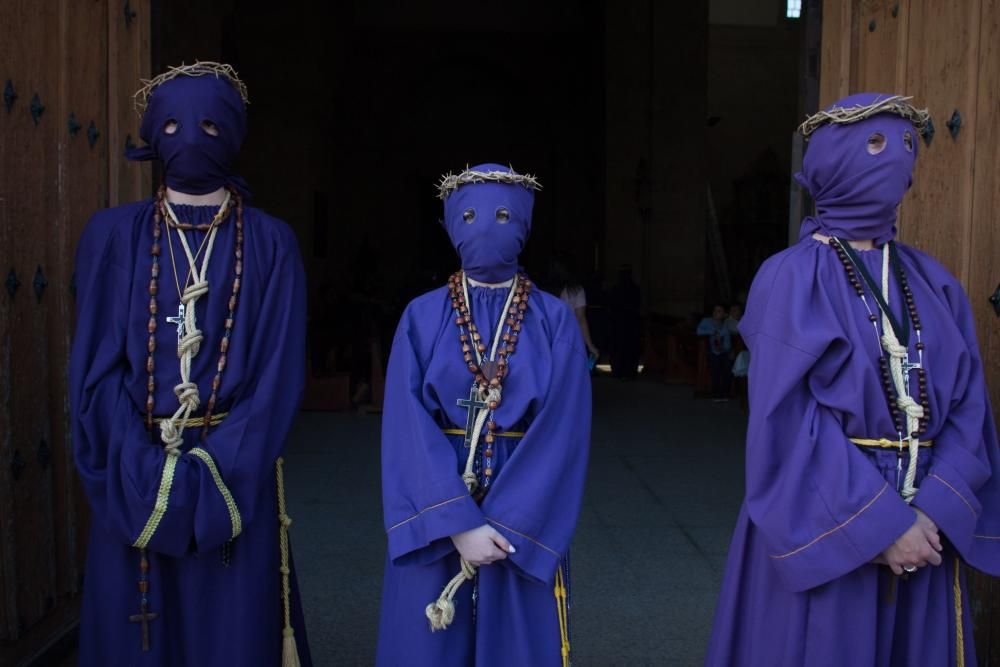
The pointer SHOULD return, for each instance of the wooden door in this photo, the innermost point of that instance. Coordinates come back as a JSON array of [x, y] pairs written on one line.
[[946, 54], [68, 69]]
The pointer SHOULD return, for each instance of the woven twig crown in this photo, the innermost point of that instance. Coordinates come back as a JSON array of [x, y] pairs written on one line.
[[897, 104], [451, 182], [199, 68]]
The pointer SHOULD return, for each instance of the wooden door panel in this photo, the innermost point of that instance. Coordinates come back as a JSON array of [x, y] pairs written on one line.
[[881, 46], [836, 49], [83, 60], [8, 597], [128, 62], [984, 275], [941, 73], [84, 179], [984, 266], [32, 201]]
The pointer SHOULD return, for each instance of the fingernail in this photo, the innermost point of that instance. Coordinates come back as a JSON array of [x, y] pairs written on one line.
[[512, 549]]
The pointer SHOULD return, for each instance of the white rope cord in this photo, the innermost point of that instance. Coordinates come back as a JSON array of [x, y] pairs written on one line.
[[913, 410], [441, 612], [188, 396], [503, 316]]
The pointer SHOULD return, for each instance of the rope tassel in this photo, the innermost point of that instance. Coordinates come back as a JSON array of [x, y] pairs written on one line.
[[441, 612], [289, 649]]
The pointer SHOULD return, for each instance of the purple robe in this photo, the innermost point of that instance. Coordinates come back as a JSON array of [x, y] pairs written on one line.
[[210, 613], [534, 499], [799, 587]]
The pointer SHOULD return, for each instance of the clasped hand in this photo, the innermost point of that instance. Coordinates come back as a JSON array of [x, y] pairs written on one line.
[[918, 546], [482, 546]]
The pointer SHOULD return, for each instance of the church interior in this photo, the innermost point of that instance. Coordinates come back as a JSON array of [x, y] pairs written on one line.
[[632, 118], [663, 135]]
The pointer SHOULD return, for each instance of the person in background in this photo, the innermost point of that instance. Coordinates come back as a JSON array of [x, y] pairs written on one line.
[[571, 292], [733, 321], [720, 346], [626, 325]]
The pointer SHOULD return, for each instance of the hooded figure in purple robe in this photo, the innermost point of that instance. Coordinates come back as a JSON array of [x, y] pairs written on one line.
[[815, 574], [526, 474], [178, 422]]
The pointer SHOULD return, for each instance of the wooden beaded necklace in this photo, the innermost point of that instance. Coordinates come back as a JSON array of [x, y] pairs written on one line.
[[490, 370], [895, 380], [159, 214]]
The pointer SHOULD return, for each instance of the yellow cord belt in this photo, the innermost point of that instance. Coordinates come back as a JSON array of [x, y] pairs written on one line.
[[505, 434], [886, 443], [195, 422]]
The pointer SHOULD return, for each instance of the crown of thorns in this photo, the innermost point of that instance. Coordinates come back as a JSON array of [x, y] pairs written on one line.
[[199, 68], [451, 182], [897, 104]]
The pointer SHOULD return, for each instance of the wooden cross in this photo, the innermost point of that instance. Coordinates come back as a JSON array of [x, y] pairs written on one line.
[[144, 616], [474, 405], [179, 321]]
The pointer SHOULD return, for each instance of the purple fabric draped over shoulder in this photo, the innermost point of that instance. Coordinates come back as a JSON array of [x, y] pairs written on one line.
[[210, 613]]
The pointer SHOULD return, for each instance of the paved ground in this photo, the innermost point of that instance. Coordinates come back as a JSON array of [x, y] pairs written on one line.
[[666, 478]]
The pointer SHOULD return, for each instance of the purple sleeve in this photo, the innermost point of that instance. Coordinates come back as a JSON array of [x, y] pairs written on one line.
[[535, 500], [424, 500], [246, 445], [965, 449], [822, 507]]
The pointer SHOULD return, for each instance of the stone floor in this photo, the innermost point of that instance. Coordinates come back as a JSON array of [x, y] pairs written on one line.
[[666, 478]]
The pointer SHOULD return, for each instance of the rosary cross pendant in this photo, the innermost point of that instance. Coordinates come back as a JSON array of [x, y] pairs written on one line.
[[143, 618], [178, 321], [473, 404], [910, 366]]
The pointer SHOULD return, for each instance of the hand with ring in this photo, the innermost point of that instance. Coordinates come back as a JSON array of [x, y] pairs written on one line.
[[918, 546]]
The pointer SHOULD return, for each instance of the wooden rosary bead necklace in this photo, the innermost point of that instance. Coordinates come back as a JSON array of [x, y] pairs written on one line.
[[489, 371], [852, 267], [910, 417], [160, 213]]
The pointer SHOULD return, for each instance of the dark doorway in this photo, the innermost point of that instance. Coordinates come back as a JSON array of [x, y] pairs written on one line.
[[627, 112]]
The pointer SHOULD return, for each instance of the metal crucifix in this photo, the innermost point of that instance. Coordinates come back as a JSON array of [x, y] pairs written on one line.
[[179, 321]]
